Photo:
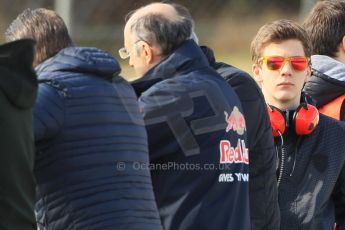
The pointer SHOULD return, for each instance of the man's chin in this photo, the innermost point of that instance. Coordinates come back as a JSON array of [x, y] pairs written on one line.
[[288, 100], [285, 96]]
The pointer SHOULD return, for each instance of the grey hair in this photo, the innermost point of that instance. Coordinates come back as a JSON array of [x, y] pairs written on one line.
[[168, 33]]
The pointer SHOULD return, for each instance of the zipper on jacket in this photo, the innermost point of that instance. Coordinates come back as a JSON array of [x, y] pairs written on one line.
[[281, 160], [282, 165]]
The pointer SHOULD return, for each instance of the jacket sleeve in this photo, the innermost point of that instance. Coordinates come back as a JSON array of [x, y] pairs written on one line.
[[263, 192], [48, 112], [339, 200], [263, 184]]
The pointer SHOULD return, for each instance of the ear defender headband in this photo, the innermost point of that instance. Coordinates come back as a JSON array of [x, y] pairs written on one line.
[[305, 119]]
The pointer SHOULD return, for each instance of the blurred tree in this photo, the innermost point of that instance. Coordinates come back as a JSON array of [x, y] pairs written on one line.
[[64, 9], [306, 6], [226, 25]]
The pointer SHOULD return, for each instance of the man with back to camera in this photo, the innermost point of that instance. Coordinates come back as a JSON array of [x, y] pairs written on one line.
[[88, 134], [192, 118]]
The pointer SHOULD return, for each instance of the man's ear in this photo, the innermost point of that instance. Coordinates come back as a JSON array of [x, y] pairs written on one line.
[[147, 52], [308, 74], [257, 72], [340, 55], [342, 45]]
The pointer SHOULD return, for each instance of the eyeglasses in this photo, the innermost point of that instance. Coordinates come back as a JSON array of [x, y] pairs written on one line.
[[124, 53], [298, 63]]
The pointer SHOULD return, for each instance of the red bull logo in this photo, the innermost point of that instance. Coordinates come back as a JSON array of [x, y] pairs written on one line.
[[230, 154], [235, 121]]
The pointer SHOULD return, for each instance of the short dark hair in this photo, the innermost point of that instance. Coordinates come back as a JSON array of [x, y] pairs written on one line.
[[156, 28], [278, 31], [325, 25], [45, 27]]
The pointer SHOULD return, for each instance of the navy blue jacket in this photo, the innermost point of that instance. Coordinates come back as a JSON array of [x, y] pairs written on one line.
[[88, 133], [197, 143], [312, 187], [263, 194]]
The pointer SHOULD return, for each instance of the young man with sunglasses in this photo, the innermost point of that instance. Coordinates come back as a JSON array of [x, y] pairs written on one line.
[[310, 147]]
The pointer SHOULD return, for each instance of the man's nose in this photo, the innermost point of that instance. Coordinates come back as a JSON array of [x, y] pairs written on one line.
[[286, 69]]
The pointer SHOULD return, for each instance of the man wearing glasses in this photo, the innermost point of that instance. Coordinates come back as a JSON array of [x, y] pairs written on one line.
[[310, 146], [195, 124]]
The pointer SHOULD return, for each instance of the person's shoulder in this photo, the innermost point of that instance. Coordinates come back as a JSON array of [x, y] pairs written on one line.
[[184, 83], [228, 71], [187, 79], [50, 93], [330, 137], [161, 87], [332, 124], [84, 60], [240, 81], [81, 51]]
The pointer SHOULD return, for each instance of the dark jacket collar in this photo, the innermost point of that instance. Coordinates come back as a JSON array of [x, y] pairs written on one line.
[[187, 57], [323, 88], [82, 60], [208, 52]]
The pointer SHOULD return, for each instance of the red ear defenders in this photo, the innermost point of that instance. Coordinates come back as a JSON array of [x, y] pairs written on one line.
[[305, 119]]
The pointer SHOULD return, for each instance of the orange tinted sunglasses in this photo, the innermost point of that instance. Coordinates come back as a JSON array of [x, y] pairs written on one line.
[[298, 63]]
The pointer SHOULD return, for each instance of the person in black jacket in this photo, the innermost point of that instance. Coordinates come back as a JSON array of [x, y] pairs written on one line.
[[325, 26], [18, 86], [88, 130], [264, 209], [310, 146], [195, 124]]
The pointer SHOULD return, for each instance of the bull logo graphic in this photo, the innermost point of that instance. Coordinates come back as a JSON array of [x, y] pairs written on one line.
[[235, 121]]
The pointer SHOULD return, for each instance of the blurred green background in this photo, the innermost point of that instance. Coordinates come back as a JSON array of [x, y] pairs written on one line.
[[225, 25]]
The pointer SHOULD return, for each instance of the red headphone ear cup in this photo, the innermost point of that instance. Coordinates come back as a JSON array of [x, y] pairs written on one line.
[[306, 119], [277, 120]]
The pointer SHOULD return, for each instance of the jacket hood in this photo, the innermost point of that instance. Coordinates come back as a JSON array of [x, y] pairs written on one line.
[[81, 60], [327, 81], [18, 79], [329, 66], [187, 57]]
